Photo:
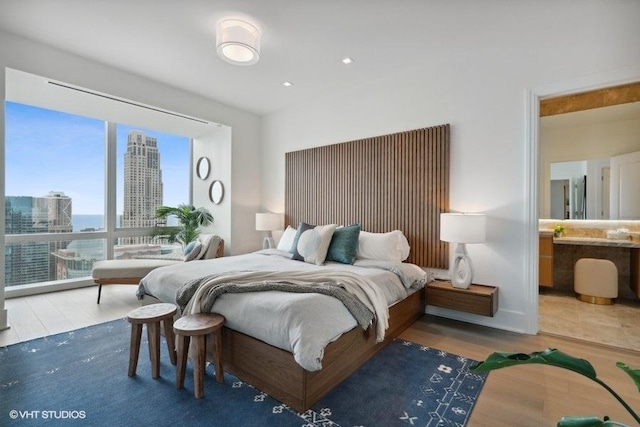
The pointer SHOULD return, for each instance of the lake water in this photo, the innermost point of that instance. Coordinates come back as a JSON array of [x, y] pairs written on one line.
[[82, 222]]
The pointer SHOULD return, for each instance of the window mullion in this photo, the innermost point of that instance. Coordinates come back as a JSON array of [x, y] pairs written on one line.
[[111, 187]]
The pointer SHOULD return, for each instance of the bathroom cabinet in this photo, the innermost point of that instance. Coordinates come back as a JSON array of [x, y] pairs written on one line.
[[545, 262], [634, 268]]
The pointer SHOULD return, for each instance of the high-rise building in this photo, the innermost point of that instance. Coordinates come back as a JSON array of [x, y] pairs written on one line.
[[32, 262], [142, 184], [59, 209]]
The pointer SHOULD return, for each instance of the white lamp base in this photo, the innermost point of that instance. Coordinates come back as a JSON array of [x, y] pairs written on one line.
[[462, 268], [268, 243]]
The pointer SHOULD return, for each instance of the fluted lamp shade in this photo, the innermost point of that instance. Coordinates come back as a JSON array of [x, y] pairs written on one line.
[[269, 222], [238, 42], [462, 228]]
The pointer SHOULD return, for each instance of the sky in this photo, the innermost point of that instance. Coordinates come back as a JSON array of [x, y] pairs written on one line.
[[54, 151]]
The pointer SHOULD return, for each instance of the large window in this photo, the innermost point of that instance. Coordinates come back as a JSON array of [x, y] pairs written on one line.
[[57, 185]]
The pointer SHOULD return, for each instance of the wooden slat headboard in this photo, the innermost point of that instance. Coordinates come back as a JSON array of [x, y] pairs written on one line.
[[398, 181]]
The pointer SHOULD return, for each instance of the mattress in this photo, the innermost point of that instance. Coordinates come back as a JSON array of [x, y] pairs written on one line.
[[301, 323]]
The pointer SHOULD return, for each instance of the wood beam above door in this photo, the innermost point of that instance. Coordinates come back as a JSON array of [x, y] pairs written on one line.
[[588, 100]]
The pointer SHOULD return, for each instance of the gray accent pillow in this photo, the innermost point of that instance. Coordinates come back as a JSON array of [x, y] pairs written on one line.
[[312, 243]]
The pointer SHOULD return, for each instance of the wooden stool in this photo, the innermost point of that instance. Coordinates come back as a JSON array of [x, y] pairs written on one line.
[[198, 326], [151, 315]]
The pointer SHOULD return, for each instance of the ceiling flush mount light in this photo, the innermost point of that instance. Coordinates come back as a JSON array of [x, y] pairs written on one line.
[[287, 84], [237, 42], [347, 60]]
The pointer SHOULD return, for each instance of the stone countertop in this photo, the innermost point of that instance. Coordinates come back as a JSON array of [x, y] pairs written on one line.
[[594, 241]]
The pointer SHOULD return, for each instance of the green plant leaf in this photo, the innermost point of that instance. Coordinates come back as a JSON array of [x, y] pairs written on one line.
[[559, 359], [587, 422], [549, 356], [633, 373], [190, 220], [580, 422]]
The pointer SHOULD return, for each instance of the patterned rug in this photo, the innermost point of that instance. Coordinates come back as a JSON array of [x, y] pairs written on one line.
[[80, 378]]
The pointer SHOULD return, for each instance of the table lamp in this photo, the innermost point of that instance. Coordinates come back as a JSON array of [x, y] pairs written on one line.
[[269, 222], [462, 228]]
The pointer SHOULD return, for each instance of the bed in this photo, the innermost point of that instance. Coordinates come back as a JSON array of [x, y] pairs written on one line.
[[402, 182]]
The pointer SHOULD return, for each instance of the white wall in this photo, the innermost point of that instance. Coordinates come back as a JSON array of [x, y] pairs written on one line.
[[244, 161], [483, 95], [217, 148]]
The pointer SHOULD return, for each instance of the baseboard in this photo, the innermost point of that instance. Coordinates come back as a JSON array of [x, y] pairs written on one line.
[[504, 319]]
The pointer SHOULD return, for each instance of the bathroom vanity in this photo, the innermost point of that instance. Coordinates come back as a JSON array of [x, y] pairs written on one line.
[[558, 256], [545, 260]]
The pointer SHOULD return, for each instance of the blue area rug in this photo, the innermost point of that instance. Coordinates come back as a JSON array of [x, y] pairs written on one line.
[[80, 378]]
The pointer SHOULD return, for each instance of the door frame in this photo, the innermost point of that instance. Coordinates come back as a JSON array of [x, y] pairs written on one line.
[[532, 152]]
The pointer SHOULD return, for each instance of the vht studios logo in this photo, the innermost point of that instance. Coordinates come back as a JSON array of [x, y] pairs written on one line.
[[47, 415]]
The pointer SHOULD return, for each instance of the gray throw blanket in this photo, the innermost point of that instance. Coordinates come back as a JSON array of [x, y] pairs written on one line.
[[363, 315], [363, 288]]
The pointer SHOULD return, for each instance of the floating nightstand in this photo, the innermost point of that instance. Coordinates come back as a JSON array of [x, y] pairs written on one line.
[[477, 299]]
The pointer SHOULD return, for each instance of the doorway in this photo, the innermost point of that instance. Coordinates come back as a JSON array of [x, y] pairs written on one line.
[[560, 313]]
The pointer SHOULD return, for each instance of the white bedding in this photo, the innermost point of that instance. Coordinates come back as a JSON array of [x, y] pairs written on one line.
[[301, 323]]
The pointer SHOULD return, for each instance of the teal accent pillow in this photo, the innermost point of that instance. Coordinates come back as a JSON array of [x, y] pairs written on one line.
[[344, 244]]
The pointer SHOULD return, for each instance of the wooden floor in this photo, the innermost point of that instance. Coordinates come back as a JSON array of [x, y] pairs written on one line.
[[37, 316], [518, 396], [534, 395]]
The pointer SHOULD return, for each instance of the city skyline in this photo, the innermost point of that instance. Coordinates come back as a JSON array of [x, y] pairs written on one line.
[[34, 168]]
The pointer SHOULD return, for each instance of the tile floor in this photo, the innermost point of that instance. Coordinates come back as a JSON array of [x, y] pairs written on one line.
[[616, 325]]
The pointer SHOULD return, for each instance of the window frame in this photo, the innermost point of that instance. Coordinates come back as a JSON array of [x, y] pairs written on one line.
[[109, 235]]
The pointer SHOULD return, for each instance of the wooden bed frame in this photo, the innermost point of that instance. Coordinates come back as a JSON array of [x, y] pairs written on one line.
[[402, 182], [275, 372]]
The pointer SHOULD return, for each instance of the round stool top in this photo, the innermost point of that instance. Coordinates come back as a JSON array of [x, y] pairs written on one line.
[[198, 324], [152, 312]]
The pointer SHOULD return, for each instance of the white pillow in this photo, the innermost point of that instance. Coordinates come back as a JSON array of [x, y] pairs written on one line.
[[392, 246], [313, 243], [286, 241], [205, 241]]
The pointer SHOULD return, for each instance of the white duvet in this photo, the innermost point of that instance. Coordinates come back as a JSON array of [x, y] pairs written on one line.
[[301, 323]]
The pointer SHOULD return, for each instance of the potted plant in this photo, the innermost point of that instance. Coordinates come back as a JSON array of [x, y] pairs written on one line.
[[558, 230], [553, 357], [190, 218]]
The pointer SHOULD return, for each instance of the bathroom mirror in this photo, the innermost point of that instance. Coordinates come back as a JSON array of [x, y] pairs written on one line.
[[216, 192], [202, 168], [569, 195], [580, 152]]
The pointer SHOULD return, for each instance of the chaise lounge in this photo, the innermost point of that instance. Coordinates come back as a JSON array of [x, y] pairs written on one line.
[[131, 271]]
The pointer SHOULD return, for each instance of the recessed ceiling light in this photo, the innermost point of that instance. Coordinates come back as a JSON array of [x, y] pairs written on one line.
[[347, 60], [287, 84]]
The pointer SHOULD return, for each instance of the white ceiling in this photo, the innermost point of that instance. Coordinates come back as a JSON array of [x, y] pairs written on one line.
[[303, 41]]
